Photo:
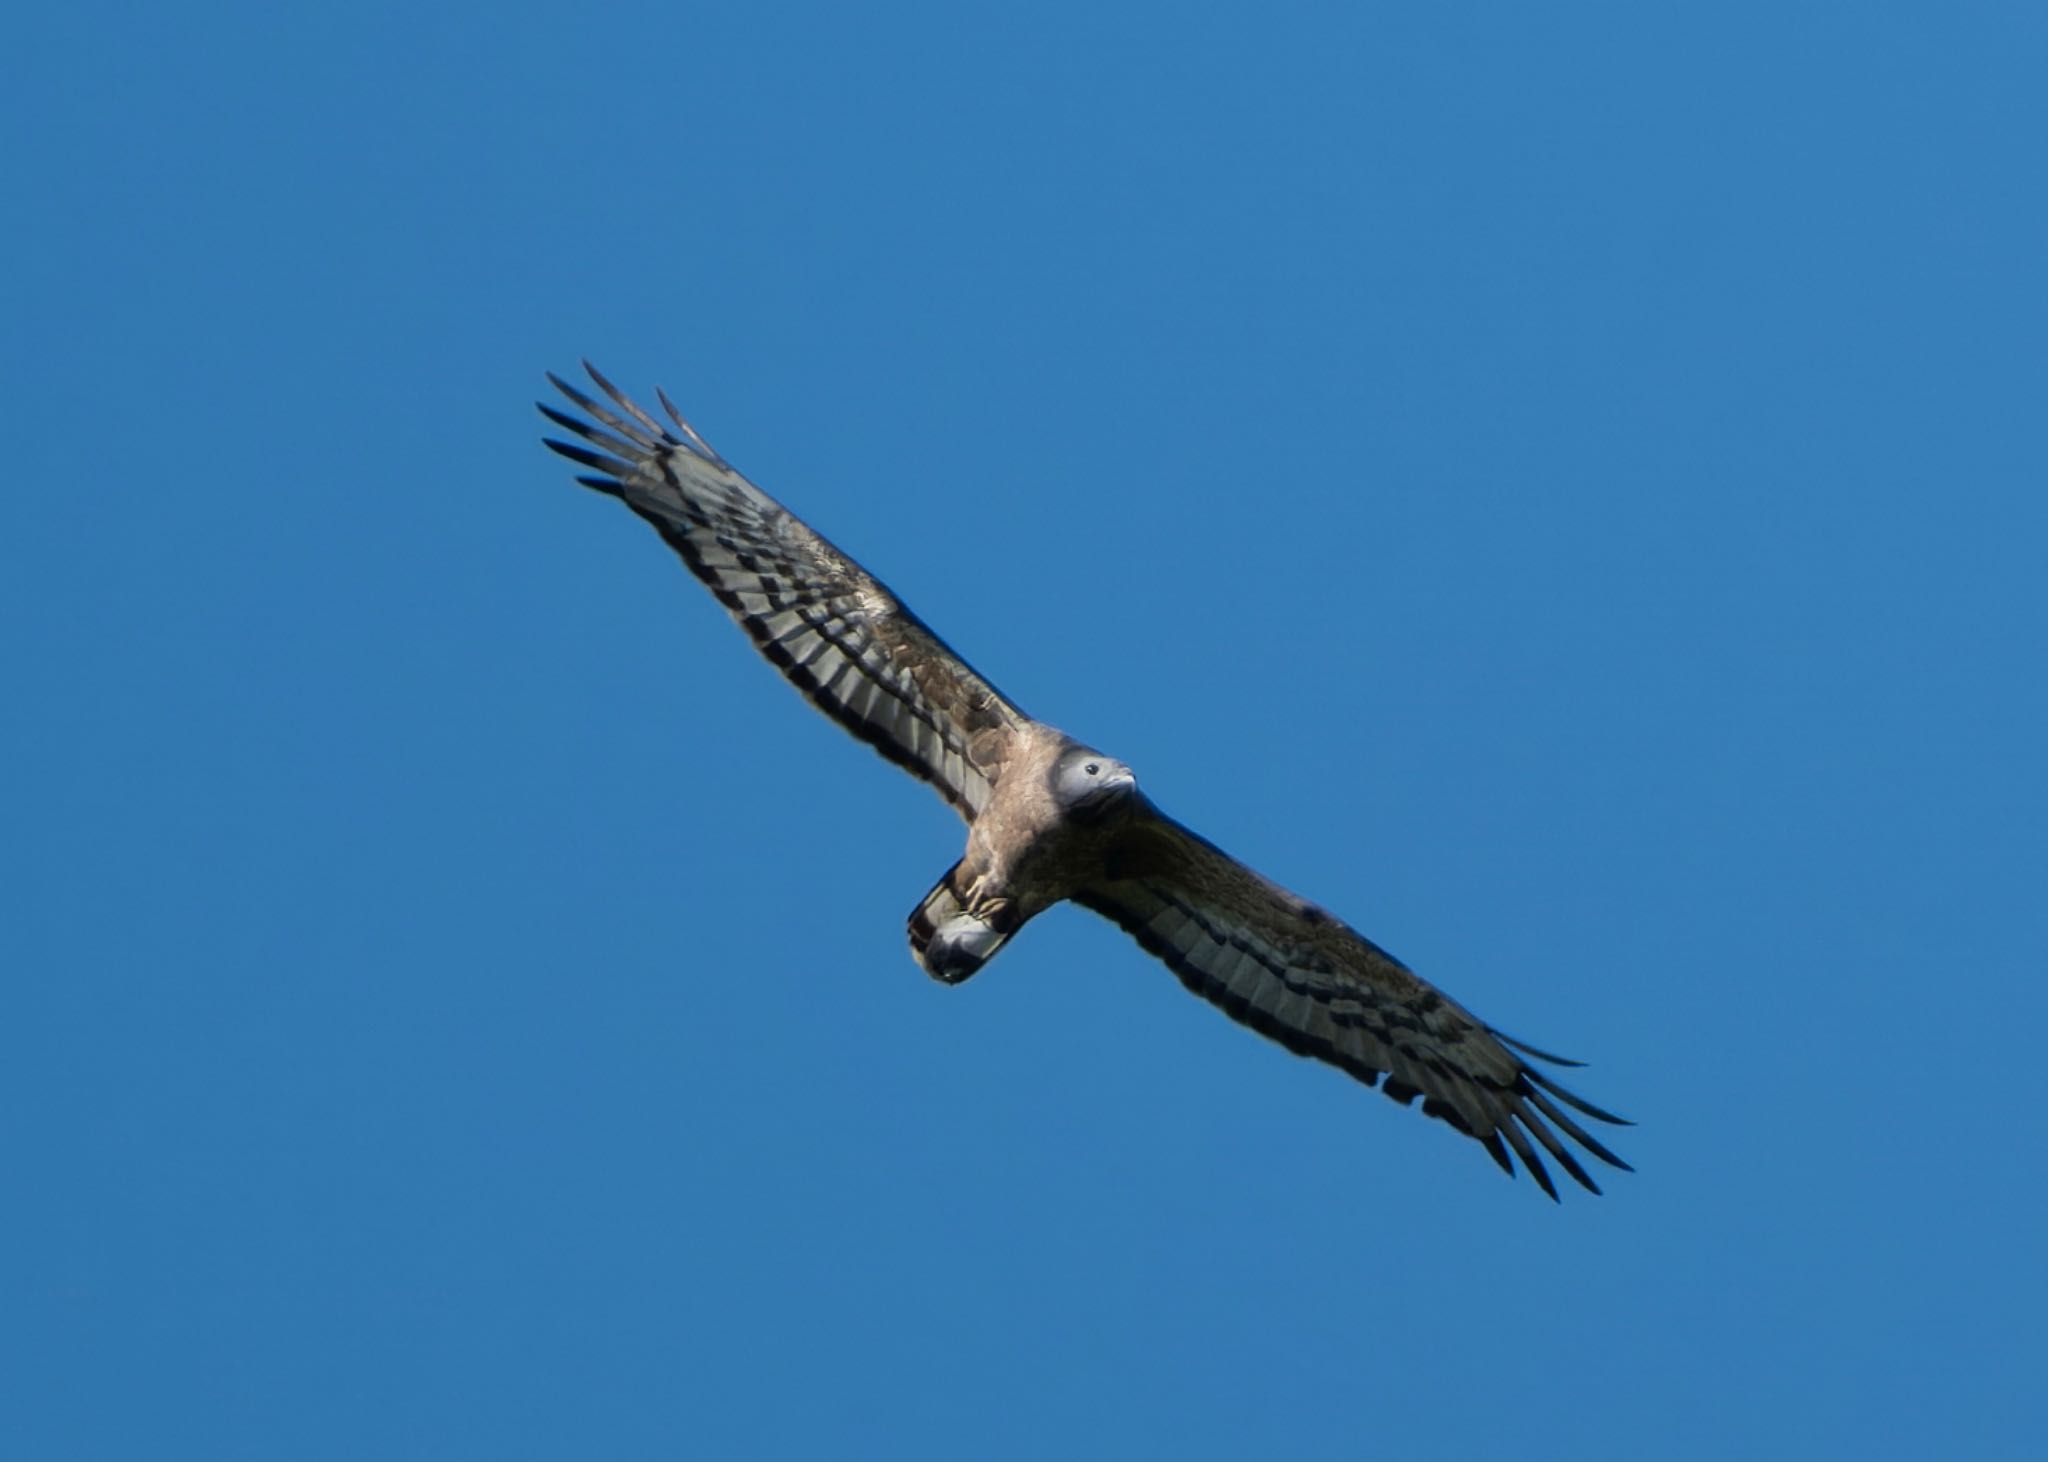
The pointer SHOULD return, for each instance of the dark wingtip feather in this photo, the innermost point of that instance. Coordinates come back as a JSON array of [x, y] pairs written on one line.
[[1573, 1099], [574, 393], [636, 435], [1575, 1168], [1528, 1050], [1562, 1154], [1595, 1146], [627, 447], [589, 458], [697, 441], [1530, 1160], [626, 403], [564, 419], [1543, 1104], [670, 407]]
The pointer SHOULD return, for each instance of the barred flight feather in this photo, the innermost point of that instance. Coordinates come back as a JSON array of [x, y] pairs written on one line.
[[1322, 990], [835, 633]]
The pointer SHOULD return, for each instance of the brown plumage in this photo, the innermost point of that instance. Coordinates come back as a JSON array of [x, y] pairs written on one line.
[[1050, 819]]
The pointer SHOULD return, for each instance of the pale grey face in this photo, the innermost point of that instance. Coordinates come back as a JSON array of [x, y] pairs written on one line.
[[1087, 784]]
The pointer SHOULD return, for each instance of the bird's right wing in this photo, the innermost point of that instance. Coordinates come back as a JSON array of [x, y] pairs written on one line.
[[833, 629]]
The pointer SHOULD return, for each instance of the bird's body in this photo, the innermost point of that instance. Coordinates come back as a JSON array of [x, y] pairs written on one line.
[[1026, 851], [1050, 819]]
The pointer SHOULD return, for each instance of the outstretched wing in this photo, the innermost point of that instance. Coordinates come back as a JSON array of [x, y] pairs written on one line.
[[1291, 971], [834, 630]]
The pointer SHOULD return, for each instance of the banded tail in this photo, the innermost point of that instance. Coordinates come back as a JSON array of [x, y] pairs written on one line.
[[950, 943]]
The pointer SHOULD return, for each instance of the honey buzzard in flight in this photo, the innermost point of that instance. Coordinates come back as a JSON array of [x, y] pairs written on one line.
[[1050, 819]]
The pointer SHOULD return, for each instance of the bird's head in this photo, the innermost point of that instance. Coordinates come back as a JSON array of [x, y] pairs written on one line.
[[1088, 784]]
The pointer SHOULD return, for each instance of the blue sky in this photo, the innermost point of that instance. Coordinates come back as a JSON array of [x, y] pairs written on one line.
[[1563, 489]]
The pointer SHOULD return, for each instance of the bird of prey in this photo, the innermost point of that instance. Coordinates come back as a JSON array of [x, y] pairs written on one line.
[[1051, 819]]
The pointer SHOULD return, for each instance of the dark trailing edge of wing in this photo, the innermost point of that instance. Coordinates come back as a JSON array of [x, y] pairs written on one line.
[[1528, 1102]]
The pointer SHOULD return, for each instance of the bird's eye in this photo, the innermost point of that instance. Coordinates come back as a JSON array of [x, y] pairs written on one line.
[[1092, 768]]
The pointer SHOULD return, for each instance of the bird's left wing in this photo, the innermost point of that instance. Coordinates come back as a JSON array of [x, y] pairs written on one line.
[[833, 629], [1291, 971]]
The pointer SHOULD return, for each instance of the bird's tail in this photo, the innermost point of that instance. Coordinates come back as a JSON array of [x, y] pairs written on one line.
[[949, 942]]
